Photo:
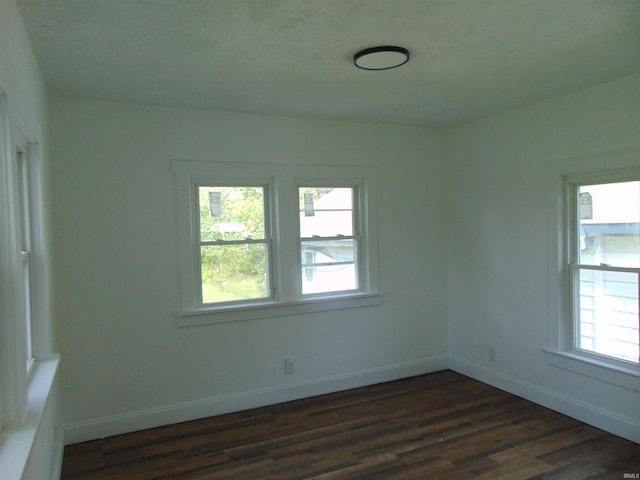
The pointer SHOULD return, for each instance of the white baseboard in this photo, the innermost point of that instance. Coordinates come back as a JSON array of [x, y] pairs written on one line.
[[165, 415], [138, 420], [598, 417]]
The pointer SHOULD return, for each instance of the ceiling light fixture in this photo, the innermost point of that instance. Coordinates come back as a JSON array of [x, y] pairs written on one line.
[[381, 58]]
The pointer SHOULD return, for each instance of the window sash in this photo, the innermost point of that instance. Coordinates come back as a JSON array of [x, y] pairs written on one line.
[[266, 241], [307, 268], [320, 240], [27, 292], [581, 326], [24, 211], [326, 264], [268, 289]]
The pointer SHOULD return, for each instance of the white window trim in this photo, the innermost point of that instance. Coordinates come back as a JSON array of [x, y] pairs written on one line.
[[23, 162], [359, 223], [13, 374], [618, 164], [24, 389], [18, 378], [286, 266]]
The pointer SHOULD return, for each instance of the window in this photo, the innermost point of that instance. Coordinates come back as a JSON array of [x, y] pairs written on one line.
[[233, 243], [594, 263], [328, 239], [263, 240], [604, 267], [19, 196], [23, 189]]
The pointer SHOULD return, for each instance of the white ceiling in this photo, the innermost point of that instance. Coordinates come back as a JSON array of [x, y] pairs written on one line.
[[469, 58]]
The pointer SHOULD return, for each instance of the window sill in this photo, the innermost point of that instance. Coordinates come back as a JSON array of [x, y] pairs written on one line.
[[237, 313], [610, 372], [17, 442]]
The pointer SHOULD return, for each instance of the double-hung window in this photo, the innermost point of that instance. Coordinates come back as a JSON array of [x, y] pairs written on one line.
[[264, 240], [233, 243], [19, 274], [329, 239], [603, 234], [27, 366], [594, 267], [25, 220]]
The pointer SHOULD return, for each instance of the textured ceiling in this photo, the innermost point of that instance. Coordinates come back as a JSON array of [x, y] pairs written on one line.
[[469, 58]]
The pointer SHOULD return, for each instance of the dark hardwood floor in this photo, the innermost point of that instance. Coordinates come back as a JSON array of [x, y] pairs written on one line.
[[441, 425]]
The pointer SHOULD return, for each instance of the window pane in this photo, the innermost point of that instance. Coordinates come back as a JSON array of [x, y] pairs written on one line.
[[25, 239], [328, 266], [322, 279], [327, 251], [23, 192], [326, 212], [608, 228], [26, 286], [234, 272], [607, 321], [231, 213]]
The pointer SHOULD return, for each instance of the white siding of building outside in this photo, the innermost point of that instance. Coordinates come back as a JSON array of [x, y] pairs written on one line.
[[326, 278], [609, 315]]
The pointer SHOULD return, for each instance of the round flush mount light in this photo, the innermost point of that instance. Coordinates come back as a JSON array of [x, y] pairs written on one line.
[[381, 58]]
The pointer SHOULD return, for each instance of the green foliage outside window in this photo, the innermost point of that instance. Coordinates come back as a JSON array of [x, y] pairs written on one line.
[[235, 271]]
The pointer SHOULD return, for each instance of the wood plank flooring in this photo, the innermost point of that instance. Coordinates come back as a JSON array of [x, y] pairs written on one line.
[[437, 426]]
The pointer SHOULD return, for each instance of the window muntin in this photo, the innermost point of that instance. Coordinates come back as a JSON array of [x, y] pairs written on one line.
[[604, 268], [233, 243], [329, 239]]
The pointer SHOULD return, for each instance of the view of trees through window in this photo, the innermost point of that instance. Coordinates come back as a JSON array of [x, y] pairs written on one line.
[[234, 250]]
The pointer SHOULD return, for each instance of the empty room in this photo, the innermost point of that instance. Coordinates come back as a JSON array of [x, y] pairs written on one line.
[[337, 239]]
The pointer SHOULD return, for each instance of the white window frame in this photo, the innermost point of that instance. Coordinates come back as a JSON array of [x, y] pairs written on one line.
[[266, 184], [24, 392], [357, 220], [561, 349], [25, 212], [283, 215], [19, 281], [572, 186]]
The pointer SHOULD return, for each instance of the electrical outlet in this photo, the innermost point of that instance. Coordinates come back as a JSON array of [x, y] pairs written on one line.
[[289, 367], [492, 354]]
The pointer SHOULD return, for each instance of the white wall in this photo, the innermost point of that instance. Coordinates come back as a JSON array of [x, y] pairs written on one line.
[[468, 205], [19, 73], [126, 366], [21, 81], [497, 245]]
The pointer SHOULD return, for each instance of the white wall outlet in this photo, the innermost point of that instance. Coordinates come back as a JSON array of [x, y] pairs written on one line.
[[289, 367], [492, 354]]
